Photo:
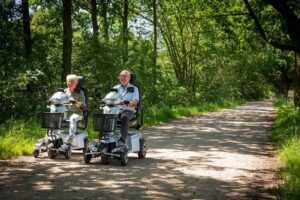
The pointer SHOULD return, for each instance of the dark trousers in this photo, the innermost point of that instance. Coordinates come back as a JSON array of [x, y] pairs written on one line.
[[125, 116]]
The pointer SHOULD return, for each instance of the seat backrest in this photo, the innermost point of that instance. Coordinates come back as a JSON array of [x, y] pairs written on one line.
[[140, 110], [79, 87], [134, 81]]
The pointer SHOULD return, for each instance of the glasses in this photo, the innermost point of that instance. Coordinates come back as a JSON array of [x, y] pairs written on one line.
[[123, 76]]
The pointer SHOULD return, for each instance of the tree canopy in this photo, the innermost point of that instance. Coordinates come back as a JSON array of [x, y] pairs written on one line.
[[184, 52]]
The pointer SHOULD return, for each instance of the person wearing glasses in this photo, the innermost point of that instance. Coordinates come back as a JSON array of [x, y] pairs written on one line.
[[131, 99]]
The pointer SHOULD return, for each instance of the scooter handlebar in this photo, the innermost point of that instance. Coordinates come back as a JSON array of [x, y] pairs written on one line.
[[111, 103]]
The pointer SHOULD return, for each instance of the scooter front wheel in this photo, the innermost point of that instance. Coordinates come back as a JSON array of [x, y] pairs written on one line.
[[124, 158], [143, 149], [52, 154], [36, 153], [87, 158], [68, 153], [105, 159]]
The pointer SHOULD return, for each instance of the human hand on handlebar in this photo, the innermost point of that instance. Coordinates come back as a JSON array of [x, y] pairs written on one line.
[[123, 103], [76, 104]]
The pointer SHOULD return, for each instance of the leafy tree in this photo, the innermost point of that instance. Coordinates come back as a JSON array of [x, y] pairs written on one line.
[[287, 37]]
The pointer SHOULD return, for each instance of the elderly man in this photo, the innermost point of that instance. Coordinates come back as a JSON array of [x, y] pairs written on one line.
[[131, 97], [77, 99]]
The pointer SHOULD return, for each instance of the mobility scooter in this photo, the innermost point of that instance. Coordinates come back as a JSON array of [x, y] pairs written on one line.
[[57, 125], [107, 123]]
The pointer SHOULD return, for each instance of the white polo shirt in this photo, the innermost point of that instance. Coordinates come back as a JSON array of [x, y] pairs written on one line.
[[128, 96]]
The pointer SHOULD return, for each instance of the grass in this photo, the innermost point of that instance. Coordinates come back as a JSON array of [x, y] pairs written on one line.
[[286, 134], [17, 137]]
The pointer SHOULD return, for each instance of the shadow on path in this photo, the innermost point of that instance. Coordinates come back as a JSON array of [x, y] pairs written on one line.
[[219, 155]]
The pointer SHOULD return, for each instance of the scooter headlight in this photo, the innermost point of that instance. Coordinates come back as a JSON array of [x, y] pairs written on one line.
[[94, 149]]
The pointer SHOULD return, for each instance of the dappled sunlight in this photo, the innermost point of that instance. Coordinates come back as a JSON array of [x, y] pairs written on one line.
[[171, 154], [43, 185], [219, 155]]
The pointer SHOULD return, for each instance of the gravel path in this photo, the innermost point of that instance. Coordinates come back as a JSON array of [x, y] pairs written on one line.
[[220, 155]]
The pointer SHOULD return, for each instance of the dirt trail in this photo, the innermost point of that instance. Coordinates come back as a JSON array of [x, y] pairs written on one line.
[[220, 155]]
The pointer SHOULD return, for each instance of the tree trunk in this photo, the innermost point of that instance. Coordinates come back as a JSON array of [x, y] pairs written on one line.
[[67, 40], [297, 80], [104, 22], [154, 56], [284, 86], [26, 28], [125, 32], [94, 18], [154, 53], [284, 82]]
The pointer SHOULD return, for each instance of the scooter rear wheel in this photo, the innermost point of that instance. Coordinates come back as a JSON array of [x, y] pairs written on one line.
[[143, 149]]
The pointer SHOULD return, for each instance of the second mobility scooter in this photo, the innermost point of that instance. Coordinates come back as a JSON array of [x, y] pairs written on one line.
[[107, 123]]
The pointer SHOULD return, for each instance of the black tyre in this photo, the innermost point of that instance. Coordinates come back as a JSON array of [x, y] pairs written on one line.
[[36, 153], [105, 159], [68, 153], [87, 158], [52, 153], [143, 149], [124, 158]]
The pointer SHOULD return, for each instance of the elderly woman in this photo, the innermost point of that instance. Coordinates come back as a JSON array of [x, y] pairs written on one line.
[[77, 99]]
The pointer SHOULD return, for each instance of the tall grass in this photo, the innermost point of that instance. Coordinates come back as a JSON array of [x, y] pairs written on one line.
[[17, 137], [286, 134]]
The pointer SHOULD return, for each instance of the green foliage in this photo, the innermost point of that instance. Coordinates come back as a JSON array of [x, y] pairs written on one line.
[[17, 137], [287, 136], [205, 53]]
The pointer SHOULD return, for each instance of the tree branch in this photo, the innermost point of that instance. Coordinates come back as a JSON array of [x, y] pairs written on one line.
[[292, 21], [256, 20], [263, 34], [142, 16]]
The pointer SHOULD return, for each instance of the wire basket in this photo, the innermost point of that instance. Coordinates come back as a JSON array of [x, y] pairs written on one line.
[[51, 120], [105, 122]]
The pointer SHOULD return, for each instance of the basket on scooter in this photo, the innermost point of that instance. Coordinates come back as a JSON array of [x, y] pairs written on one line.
[[105, 122], [51, 120]]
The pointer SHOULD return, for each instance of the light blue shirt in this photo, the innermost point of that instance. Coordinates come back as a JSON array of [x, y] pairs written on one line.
[[128, 96]]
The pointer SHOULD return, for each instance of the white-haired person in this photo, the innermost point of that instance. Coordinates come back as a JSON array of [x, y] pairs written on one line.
[[132, 97], [77, 98]]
